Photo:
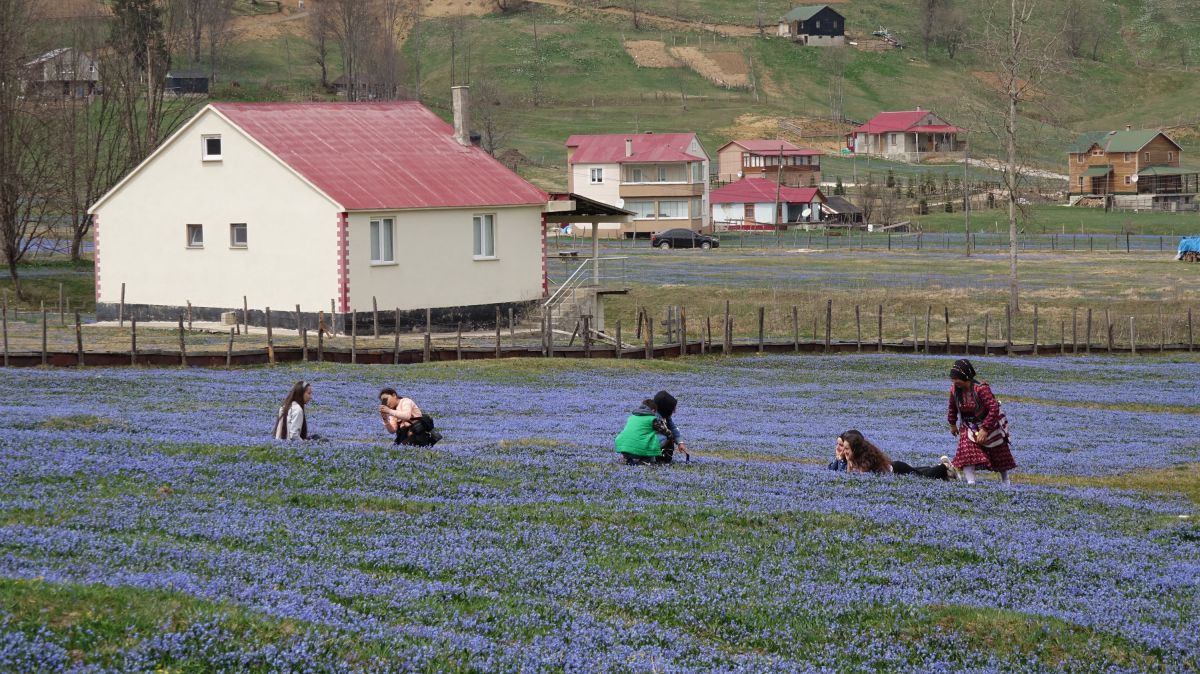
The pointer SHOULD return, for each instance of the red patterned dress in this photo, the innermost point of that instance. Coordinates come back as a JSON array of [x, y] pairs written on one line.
[[979, 409]]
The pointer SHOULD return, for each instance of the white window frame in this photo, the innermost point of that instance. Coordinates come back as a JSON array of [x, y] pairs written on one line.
[[635, 174], [1081, 158], [1147, 156], [484, 238], [1128, 181], [383, 231], [597, 175], [662, 174], [663, 216], [233, 227], [204, 147], [1170, 155], [1127, 158], [191, 242]]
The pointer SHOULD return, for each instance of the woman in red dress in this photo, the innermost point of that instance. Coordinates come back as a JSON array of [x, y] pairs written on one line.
[[982, 430]]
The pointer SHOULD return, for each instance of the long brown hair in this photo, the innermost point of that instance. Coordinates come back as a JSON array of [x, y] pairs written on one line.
[[865, 457], [296, 395]]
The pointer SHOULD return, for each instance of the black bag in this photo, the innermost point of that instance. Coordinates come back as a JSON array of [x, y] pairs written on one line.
[[420, 433]]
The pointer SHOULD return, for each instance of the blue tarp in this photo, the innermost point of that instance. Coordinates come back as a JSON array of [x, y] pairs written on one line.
[[1188, 244]]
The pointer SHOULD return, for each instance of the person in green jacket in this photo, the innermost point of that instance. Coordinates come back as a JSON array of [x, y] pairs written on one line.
[[643, 437]]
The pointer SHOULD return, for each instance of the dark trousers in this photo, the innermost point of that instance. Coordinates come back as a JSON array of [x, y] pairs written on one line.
[[937, 472], [419, 433]]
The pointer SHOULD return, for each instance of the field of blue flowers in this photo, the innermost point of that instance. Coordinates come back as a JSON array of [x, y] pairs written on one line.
[[147, 523]]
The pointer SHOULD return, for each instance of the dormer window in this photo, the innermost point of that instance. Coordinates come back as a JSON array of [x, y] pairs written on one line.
[[211, 147]]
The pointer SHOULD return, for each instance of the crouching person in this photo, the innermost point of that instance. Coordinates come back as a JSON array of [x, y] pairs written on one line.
[[402, 416], [644, 436]]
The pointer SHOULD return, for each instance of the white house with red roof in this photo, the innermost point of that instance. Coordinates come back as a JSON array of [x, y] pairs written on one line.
[[907, 135], [739, 159], [661, 177], [758, 203], [336, 207]]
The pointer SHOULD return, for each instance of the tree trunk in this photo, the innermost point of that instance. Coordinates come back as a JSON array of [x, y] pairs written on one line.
[[1011, 130], [16, 281]]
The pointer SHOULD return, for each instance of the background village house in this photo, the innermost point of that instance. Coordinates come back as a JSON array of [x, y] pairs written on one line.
[[304, 203], [739, 159], [909, 135], [187, 83], [1133, 168], [750, 204], [814, 25], [661, 177], [65, 72]]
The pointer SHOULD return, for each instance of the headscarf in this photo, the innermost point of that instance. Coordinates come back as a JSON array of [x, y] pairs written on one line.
[[665, 403], [963, 370]]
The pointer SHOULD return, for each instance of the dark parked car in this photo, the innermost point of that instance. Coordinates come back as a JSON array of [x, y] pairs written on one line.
[[683, 238]]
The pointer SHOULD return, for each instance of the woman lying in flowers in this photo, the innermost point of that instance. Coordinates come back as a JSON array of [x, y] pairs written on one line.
[[291, 423], [644, 436], [859, 455], [983, 433]]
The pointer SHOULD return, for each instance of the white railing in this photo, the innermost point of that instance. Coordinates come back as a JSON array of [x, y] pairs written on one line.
[[591, 273]]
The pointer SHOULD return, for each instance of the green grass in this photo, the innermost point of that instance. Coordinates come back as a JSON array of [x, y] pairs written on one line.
[[1055, 219]]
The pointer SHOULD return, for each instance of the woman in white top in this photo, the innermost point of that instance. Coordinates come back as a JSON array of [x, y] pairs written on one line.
[[291, 422]]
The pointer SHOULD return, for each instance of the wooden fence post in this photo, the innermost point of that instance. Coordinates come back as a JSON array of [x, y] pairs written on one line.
[[1189, 334], [182, 344], [1008, 343], [828, 324], [427, 354], [1088, 338], [795, 328], [396, 338], [353, 336], [706, 343], [1062, 336], [762, 328], [879, 333], [62, 317], [497, 330], [1162, 333], [916, 339], [1108, 330], [512, 325], [78, 340], [270, 338], [374, 317], [987, 325], [229, 350], [246, 314], [946, 318], [320, 344], [857, 329], [1132, 333], [587, 336], [1035, 329], [683, 342], [189, 315], [458, 343], [333, 319], [304, 344], [620, 346], [133, 340], [967, 344], [649, 336], [45, 351], [299, 319], [928, 320], [728, 341], [4, 321], [121, 308]]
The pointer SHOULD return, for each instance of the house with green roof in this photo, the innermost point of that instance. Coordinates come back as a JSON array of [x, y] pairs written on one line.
[[816, 25], [1130, 167]]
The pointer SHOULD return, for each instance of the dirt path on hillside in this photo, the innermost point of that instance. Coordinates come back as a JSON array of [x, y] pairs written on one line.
[[654, 20]]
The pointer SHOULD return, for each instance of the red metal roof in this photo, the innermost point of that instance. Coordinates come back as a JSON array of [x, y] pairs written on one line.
[[766, 147], [381, 155], [894, 121], [761, 190], [647, 147]]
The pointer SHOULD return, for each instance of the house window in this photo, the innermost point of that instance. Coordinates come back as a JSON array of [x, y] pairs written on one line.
[[1080, 183], [672, 209], [818, 25], [212, 148], [382, 249], [597, 176], [195, 236], [1127, 157], [635, 175], [1127, 181], [662, 174], [1079, 158], [1097, 152], [698, 172], [696, 205], [237, 235], [1170, 156], [485, 236], [643, 210], [1147, 156]]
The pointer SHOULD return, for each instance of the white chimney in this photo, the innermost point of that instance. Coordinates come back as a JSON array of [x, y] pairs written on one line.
[[1129, 127], [628, 147], [462, 114]]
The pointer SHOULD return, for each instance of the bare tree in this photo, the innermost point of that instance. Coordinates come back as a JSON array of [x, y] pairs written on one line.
[[1023, 59], [351, 24], [952, 29], [27, 177], [1083, 28], [833, 63], [635, 14], [489, 112], [320, 30], [868, 195], [416, 34], [218, 22], [927, 14]]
